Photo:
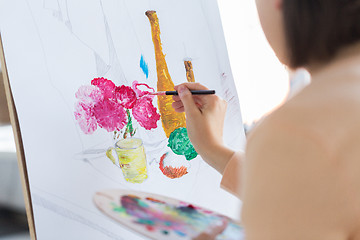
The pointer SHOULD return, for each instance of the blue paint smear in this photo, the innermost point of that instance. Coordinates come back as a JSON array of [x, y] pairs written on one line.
[[144, 66], [181, 234]]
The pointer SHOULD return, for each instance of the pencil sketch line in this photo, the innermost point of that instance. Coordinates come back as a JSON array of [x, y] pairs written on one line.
[[48, 71], [103, 174], [228, 87], [67, 22], [65, 200], [56, 12], [64, 212], [60, 13], [133, 26], [101, 66], [211, 36], [113, 56]]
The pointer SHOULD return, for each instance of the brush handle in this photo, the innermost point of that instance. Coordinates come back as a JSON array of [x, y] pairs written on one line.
[[193, 92]]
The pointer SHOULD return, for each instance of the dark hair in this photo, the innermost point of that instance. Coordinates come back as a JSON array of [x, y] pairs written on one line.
[[316, 30]]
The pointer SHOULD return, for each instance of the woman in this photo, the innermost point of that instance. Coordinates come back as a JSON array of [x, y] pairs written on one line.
[[300, 176]]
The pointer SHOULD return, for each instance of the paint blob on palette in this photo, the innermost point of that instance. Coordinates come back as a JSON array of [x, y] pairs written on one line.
[[161, 217]]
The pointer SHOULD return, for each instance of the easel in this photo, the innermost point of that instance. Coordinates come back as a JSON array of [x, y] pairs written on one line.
[[19, 145]]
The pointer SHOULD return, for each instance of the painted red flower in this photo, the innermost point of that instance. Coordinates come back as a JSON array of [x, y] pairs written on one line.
[[110, 115], [105, 85], [140, 102], [126, 96], [145, 113]]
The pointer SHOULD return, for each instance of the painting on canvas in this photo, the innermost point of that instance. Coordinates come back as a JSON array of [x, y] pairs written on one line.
[[82, 74]]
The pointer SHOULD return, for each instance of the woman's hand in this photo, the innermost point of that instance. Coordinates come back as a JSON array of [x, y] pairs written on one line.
[[205, 122]]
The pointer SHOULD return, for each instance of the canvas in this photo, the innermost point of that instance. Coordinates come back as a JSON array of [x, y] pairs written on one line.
[[81, 73]]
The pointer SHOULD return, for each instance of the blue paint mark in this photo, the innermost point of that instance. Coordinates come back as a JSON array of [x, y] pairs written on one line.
[[144, 66], [181, 234]]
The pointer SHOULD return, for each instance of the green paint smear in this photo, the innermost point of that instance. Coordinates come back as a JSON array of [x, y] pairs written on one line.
[[129, 126], [143, 204], [119, 209], [167, 223], [146, 222], [180, 144]]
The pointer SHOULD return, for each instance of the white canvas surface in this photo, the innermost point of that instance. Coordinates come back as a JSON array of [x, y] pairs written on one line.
[[52, 47]]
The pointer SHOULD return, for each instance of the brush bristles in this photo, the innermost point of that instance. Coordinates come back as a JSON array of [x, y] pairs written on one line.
[[158, 93]]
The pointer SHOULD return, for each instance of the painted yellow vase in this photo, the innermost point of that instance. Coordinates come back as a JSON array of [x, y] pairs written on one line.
[[132, 159]]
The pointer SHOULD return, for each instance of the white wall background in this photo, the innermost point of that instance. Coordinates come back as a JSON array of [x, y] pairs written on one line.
[[261, 80]]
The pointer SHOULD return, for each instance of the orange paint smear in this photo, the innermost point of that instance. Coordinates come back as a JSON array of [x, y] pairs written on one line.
[[189, 71], [170, 119], [155, 200], [172, 172]]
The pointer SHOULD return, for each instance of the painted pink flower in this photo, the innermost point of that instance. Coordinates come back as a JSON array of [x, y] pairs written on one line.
[[140, 93], [104, 105], [87, 96], [145, 113], [105, 85], [85, 117], [110, 115], [126, 96]]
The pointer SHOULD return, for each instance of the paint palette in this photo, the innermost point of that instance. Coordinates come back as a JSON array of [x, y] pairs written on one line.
[[159, 217]]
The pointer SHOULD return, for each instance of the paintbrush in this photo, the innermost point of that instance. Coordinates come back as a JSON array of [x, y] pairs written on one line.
[[193, 92]]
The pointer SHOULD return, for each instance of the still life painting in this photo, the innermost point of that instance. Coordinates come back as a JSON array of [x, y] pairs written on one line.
[[105, 105], [92, 69]]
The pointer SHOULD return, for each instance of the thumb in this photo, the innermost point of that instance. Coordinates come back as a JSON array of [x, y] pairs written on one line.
[[213, 231], [188, 101], [217, 228]]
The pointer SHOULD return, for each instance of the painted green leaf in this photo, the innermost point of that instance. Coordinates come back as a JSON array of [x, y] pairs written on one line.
[[180, 144]]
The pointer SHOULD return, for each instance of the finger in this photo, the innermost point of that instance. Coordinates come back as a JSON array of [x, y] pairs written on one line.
[[212, 102], [192, 86], [197, 98], [217, 228], [187, 99], [178, 104], [180, 110], [176, 98], [213, 231]]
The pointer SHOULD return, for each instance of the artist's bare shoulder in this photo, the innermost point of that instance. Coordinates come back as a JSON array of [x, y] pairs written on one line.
[[324, 118], [328, 113], [328, 109], [313, 142]]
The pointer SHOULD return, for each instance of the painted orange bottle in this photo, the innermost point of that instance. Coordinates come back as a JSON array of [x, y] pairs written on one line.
[[170, 119]]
